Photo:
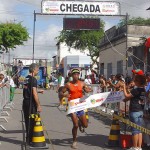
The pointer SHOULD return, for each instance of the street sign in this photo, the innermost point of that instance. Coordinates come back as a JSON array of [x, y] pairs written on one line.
[[81, 24], [54, 7]]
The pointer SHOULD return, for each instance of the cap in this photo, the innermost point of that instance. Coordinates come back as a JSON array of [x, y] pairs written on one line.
[[138, 72], [75, 71]]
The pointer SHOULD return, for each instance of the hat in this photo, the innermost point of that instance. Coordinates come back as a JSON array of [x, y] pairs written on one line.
[[75, 71], [138, 72]]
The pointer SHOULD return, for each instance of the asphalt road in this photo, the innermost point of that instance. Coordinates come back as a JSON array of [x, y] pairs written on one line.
[[57, 125]]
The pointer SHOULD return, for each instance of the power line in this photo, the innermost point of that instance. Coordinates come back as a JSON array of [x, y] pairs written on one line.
[[113, 48]]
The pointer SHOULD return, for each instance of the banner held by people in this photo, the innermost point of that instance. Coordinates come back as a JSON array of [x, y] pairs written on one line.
[[94, 101]]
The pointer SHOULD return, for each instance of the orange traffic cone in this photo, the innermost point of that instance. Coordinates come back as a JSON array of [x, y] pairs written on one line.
[[38, 139], [113, 140]]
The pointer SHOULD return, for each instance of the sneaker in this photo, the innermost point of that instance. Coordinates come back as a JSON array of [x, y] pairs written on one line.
[[139, 148], [60, 106], [74, 145]]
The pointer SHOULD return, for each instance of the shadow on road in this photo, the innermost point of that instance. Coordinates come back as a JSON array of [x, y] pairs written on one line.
[[13, 131], [101, 118], [89, 140]]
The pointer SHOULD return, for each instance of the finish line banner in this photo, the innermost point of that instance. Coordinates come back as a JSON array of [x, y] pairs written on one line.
[[94, 101]]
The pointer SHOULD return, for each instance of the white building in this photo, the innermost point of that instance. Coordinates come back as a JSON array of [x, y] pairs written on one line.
[[114, 46], [71, 57], [63, 51], [76, 61]]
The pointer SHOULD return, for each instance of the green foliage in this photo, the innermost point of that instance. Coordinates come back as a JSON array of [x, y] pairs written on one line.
[[135, 21], [83, 40], [11, 35]]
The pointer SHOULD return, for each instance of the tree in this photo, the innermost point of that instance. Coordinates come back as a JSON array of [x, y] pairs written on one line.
[[83, 40], [135, 21], [11, 35]]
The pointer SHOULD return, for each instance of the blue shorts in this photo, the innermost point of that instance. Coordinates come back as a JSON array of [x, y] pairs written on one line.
[[137, 118], [80, 113]]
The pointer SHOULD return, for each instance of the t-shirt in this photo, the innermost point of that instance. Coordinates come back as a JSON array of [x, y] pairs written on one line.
[[12, 84], [61, 81], [29, 82], [138, 100], [88, 81]]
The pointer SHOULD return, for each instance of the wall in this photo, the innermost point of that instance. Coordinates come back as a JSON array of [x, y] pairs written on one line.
[[108, 54], [62, 51], [70, 61]]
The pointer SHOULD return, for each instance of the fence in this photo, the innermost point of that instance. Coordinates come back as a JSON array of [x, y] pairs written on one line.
[[4, 103]]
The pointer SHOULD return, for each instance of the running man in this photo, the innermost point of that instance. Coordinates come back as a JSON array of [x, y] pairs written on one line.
[[75, 90]]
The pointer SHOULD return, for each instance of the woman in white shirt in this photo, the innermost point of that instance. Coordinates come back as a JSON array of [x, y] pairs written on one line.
[[87, 80], [12, 89]]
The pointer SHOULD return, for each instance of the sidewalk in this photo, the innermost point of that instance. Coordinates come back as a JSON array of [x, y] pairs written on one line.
[[14, 137]]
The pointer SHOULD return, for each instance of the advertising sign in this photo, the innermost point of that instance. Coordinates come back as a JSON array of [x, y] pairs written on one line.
[[80, 8], [94, 101]]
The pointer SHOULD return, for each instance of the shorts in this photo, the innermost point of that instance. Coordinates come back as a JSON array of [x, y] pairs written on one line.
[[80, 113], [137, 118]]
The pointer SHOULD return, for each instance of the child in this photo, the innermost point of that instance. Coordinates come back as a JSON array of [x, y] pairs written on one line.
[[137, 100]]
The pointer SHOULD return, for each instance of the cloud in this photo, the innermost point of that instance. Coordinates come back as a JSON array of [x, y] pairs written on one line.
[[6, 8], [45, 44]]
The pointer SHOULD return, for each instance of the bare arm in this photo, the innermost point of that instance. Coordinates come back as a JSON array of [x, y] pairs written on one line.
[[128, 96], [36, 98], [86, 88]]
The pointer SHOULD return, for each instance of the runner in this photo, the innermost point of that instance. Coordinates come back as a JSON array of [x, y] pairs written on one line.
[[75, 89]]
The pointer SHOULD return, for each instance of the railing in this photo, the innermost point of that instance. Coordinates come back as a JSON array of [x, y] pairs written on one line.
[[4, 103]]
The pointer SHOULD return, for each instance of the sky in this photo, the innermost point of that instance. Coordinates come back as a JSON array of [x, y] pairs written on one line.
[[49, 27]]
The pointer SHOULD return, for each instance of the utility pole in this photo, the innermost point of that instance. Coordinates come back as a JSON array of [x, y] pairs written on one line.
[[126, 44]]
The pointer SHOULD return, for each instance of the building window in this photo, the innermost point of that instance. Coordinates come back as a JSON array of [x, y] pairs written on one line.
[[130, 61], [120, 66], [109, 70], [102, 68]]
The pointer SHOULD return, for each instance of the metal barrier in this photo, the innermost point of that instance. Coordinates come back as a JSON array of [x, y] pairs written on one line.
[[4, 103]]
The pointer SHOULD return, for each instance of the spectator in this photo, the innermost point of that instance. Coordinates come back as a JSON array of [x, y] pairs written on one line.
[[61, 82], [31, 103], [2, 80], [118, 86], [102, 82], [87, 80], [12, 89], [137, 100]]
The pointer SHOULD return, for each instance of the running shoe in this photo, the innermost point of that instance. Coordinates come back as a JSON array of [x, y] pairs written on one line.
[[74, 145]]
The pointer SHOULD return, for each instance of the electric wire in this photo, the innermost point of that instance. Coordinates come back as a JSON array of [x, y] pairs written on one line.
[[123, 55]]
